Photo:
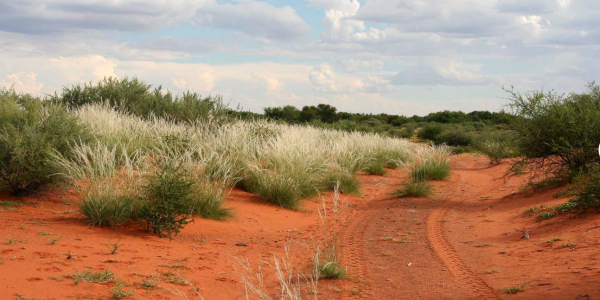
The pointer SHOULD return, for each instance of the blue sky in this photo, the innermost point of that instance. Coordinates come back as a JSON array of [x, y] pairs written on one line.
[[393, 56]]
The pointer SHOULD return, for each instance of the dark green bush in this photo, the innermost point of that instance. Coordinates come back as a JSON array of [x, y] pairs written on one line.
[[169, 196], [586, 190], [557, 135], [30, 130], [455, 137], [138, 98], [430, 131]]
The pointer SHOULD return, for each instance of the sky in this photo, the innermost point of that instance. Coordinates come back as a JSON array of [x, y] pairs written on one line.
[[400, 57]]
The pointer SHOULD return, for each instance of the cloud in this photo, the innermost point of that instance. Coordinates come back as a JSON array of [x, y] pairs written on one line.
[[448, 74], [23, 82], [61, 16]]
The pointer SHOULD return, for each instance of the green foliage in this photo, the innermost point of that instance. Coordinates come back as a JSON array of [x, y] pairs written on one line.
[[169, 196], [329, 266], [555, 134], [207, 201], [454, 137], [586, 191], [136, 97], [277, 188], [415, 189], [29, 132], [108, 205], [376, 166], [430, 131], [497, 151], [346, 182], [430, 169], [91, 277]]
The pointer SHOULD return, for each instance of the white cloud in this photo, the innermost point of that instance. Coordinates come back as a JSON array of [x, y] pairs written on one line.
[[23, 82], [451, 73], [65, 16]]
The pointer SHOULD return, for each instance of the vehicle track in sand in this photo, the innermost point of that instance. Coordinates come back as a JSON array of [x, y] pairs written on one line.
[[358, 254]]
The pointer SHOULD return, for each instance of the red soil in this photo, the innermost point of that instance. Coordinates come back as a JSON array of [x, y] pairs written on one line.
[[460, 243]]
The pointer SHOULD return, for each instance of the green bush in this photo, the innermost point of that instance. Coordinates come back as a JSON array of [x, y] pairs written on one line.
[[29, 132], [377, 166], [457, 137], [136, 97], [415, 189], [496, 151], [586, 190], [430, 131], [276, 188], [169, 196], [557, 135]]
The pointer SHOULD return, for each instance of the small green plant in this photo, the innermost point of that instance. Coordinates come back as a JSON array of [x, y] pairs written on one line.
[[498, 150], [415, 189], [545, 216], [515, 289], [113, 247], [553, 240], [568, 245], [57, 279], [328, 266], [118, 291], [10, 241], [42, 233], [149, 284], [54, 240], [103, 276], [492, 271]]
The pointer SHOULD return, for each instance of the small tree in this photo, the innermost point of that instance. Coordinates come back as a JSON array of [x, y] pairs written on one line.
[[169, 201]]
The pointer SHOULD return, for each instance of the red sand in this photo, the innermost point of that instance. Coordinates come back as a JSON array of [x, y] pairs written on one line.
[[459, 244]]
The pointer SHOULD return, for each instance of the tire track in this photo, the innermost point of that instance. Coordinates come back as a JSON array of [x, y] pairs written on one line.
[[352, 239], [445, 250]]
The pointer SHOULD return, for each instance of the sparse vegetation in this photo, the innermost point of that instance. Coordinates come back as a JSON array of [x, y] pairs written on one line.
[[514, 289], [415, 189], [103, 276], [328, 265]]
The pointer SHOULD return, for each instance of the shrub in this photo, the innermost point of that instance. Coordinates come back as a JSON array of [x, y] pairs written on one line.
[[557, 135], [29, 132], [586, 191], [169, 196], [136, 97], [415, 189], [496, 151], [430, 131], [455, 137]]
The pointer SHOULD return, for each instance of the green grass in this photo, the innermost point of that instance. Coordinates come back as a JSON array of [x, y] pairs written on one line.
[[105, 206], [415, 189], [103, 276], [207, 201], [329, 266], [118, 291], [346, 182], [430, 169], [515, 289], [6, 203]]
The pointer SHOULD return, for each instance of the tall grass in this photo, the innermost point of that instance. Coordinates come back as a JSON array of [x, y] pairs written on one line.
[[430, 163]]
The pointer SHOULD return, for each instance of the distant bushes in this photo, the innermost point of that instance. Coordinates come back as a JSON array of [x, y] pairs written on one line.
[[30, 131], [138, 98]]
